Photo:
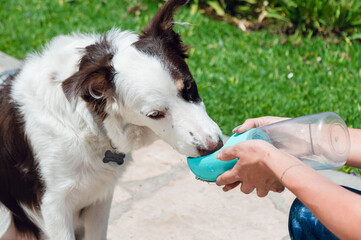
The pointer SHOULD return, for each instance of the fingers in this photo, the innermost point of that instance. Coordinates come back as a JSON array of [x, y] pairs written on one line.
[[242, 150], [277, 188], [231, 186], [262, 192], [257, 122], [227, 178], [248, 124], [247, 188], [229, 153]]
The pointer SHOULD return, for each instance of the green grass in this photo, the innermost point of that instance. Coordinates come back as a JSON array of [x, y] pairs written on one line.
[[25, 25], [247, 76], [240, 75]]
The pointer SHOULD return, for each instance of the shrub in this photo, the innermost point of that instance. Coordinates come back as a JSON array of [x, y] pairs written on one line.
[[320, 16], [342, 17]]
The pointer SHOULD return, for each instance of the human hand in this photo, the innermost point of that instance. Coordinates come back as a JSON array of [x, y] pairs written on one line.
[[251, 170], [257, 122]]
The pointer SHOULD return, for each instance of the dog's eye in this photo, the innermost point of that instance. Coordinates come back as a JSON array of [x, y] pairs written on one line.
[[156, 114]]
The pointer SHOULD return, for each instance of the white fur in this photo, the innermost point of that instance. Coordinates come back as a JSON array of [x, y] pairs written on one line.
[[69, 144], [5, 220]]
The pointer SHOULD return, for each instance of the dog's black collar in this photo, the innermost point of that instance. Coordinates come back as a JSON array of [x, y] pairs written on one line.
[[109, 156]]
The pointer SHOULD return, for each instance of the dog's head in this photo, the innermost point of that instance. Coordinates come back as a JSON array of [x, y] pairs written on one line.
[[140, 88]]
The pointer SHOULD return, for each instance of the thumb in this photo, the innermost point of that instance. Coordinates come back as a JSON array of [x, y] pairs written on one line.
[[228, 153]]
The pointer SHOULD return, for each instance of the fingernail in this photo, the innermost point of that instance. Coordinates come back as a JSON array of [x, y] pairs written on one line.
[[235, 129], [218, 155], [218, 184]]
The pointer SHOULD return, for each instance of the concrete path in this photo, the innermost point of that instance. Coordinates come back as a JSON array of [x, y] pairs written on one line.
[[7, 62], [159, 198]]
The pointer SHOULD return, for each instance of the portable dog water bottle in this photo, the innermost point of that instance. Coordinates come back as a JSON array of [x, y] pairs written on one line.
[[320, 140]]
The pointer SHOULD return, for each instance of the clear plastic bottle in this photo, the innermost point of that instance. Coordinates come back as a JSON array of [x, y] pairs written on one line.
[[321, 140]]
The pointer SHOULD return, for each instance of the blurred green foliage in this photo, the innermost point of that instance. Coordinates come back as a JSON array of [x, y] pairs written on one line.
[[309, 17]]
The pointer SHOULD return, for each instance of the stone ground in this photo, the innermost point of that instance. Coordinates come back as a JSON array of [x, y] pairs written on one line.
[[159, 198]]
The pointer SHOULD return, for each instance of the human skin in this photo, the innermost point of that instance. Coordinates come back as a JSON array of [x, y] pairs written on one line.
[[263, 167]]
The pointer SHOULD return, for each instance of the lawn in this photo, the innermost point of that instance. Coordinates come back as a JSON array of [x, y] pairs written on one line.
[[240, 75]]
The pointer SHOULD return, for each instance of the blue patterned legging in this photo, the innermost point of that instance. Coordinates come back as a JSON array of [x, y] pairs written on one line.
[[302, 224]]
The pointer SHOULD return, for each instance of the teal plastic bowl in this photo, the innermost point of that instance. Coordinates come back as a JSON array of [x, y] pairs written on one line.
[[208, 168]]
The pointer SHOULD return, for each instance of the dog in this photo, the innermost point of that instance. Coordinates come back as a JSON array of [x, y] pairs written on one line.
[[86, 95]]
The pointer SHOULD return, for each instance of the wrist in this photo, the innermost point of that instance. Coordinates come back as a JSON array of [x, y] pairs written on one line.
[[280, 163], [288, 169]]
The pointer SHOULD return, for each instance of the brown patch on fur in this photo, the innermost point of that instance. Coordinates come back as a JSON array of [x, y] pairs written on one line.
[[158, 39], [180, 84], [94, 80], [19, 177]]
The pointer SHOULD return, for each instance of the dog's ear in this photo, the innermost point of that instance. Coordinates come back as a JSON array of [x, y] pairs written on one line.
[[160, 30], [94, 79], [162, 22]]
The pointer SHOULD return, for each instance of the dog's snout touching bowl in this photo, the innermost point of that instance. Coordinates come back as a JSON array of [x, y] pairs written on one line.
[[211, 147]]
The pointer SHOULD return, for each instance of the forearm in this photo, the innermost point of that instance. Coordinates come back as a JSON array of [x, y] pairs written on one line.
[[354, 159], [337, 208]]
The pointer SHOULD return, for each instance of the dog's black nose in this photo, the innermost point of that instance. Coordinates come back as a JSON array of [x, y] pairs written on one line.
[[211, 147]]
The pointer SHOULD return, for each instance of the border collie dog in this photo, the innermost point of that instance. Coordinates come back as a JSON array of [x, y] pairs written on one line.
[[83, 96]]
